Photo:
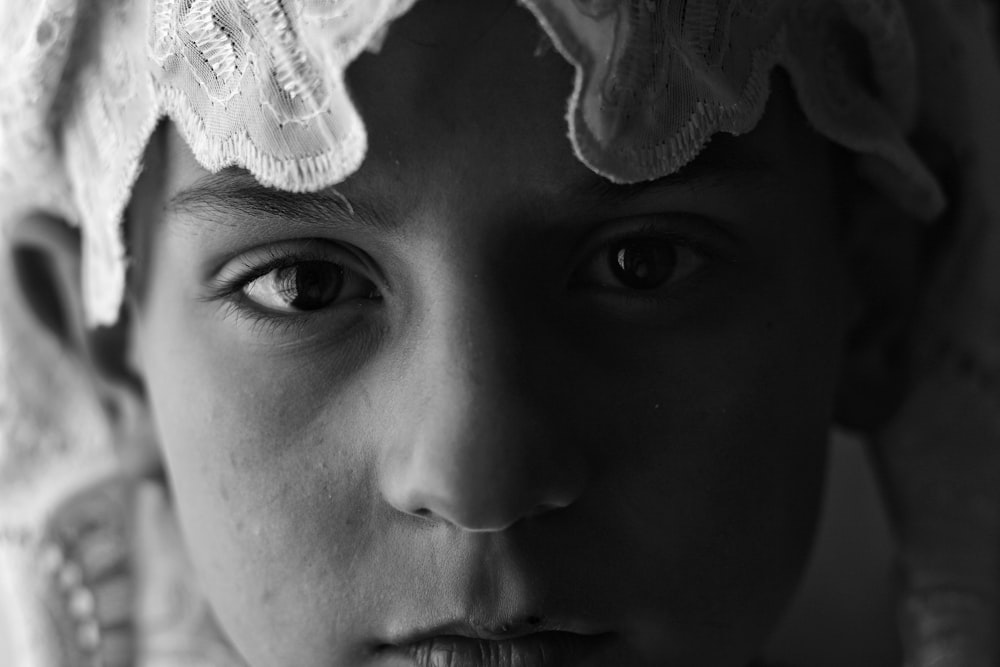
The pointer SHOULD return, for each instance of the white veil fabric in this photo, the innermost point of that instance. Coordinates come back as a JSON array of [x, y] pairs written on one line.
[[260, 84]]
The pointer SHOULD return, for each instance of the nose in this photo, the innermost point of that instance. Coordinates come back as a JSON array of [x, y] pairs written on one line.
[[474, 440]]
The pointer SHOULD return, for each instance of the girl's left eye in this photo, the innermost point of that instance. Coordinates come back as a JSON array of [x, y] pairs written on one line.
[[307, 285], [640, 264]]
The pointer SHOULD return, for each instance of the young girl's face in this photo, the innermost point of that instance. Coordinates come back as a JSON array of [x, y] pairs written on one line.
[[478, 391]]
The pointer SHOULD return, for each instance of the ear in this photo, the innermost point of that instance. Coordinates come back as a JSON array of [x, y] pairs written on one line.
[[47, 268], [884, 249]]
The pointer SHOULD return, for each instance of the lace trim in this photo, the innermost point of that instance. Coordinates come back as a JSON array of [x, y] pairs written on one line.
[[659, 83]]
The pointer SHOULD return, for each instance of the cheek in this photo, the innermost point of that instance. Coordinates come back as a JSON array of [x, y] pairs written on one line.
[[722, 435], [697, 517], [276, 504]]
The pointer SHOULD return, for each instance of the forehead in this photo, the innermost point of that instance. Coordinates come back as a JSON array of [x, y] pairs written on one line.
[[457, 82], [467, 102]]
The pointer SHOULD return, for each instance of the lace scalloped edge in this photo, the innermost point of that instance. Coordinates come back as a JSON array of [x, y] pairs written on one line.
[[919, 193]]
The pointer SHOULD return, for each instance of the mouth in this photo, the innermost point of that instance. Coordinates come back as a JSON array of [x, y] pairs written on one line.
[[465, 646]]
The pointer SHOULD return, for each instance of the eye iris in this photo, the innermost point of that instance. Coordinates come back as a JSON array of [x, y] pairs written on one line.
[[310, 285], [643, 264]]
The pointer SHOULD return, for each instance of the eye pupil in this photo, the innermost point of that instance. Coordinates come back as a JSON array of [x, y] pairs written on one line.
[[311, 285], [643, 264]]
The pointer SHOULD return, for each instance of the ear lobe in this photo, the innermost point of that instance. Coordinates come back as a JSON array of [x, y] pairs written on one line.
[[47, 271], [884, 248]]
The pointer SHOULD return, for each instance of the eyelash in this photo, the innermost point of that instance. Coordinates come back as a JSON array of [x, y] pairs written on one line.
[[654, 230], [260, 322], [274, 258]]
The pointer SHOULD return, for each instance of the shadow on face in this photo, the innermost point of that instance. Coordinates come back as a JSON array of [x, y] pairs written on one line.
[[476, 389]]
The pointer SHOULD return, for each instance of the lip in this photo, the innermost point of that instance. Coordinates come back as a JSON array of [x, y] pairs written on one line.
[[548, 648]]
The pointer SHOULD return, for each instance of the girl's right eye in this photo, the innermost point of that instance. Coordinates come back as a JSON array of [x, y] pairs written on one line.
[[296, 278], [307, 285]]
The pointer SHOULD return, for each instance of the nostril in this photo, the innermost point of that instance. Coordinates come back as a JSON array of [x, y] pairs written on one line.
[[423, 512]]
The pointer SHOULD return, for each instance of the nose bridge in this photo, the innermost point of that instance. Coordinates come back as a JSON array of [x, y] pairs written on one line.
[[474, 447]]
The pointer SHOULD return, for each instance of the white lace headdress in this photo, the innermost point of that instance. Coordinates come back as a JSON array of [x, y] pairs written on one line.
[[260, 84]]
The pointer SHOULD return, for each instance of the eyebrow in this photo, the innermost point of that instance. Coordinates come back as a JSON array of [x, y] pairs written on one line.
[[234, 189], [709, 170]]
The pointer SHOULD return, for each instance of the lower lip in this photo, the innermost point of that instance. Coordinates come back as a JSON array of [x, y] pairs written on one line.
[[543, 649]]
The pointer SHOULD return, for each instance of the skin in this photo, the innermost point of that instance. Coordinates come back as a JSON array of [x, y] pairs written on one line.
[[507, 434]]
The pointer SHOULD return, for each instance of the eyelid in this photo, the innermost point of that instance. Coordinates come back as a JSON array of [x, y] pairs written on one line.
[[695, 232], [236, 272]]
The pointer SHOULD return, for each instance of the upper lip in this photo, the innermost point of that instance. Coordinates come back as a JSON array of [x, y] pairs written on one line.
[[531, 642], [493, 631]]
